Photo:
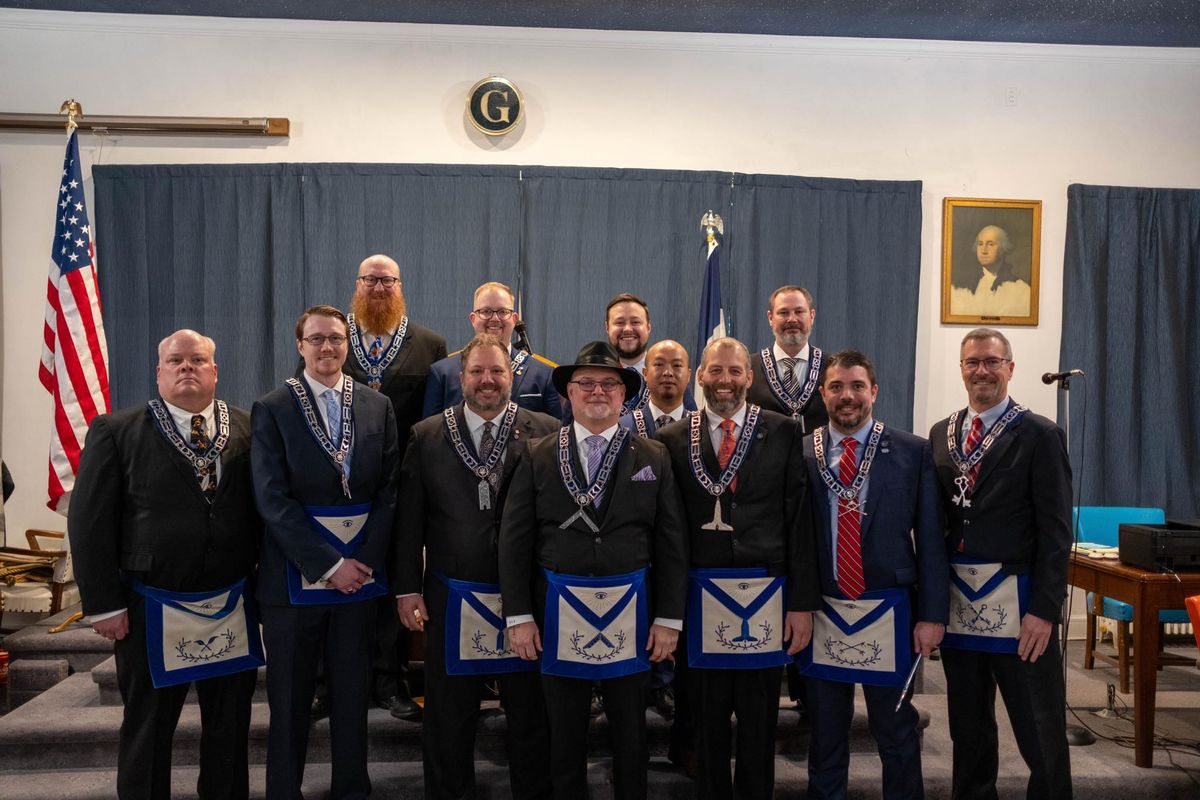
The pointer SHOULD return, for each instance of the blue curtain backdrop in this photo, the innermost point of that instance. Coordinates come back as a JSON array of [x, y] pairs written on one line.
[[238, 251], [1131, 322]]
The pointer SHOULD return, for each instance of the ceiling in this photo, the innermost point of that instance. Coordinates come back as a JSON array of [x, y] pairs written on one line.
[[1154, 23]]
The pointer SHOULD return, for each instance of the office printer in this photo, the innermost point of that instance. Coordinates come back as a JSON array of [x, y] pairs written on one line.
[[1173, 546]]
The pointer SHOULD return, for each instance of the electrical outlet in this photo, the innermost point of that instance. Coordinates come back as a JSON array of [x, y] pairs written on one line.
[[1010, 96]]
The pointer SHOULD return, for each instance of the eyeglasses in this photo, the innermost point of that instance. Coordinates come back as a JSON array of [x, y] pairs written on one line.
[[587, 385], [371, 280], [317, 340], [991, 364], [498, 313]]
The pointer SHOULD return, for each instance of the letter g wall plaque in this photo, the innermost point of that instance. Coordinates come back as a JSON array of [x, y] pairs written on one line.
[[494, 105]]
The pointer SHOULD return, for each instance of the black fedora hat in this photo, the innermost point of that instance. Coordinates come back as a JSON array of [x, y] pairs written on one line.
[[597, 354]]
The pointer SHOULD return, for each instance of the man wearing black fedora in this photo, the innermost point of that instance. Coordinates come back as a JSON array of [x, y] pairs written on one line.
[[593, 570]]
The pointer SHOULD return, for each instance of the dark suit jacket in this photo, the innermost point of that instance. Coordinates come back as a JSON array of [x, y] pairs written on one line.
[[137, 510], [291, 471], [641, 525], [1020, 511], [902, 534], [439, 498], [531, 389], [760, 394], [768, 508], [404, 379], [627, 421]]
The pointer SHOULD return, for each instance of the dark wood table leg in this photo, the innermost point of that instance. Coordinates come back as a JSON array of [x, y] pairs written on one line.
[[1145, 677]]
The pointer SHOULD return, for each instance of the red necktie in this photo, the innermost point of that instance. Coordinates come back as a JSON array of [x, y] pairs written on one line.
[[726, 451], [849, 543], [974, 437]]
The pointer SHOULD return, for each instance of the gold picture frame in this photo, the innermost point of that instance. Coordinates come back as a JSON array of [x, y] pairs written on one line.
[[991, 253]]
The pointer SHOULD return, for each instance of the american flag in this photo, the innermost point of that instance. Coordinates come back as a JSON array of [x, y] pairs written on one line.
[[74, 366]]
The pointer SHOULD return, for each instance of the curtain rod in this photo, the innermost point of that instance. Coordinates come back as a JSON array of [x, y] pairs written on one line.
[[206, 126]]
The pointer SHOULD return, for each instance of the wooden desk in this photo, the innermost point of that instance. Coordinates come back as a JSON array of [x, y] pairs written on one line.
[[1148, 593]]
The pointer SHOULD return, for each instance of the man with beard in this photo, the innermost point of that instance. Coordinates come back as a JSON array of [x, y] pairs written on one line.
[[787, 374], [163, 507], [451, 489], [494, 315], [627, 324], [879, 538], [741, 471], [325, 461], [391, 354], [1006, 488], [587, 514]]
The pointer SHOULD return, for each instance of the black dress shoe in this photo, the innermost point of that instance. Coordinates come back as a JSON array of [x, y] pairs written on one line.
[[320, 708], [404, 708], [597, 707], [684, 760], [662, 700]]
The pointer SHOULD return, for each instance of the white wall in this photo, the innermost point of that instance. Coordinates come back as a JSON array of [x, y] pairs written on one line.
[[845, 108]]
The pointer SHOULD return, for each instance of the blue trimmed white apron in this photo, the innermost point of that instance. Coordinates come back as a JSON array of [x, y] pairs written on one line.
[[475, 631], [735, 619], [341, 527], [861, 641], [596, 628], [986, 606], [191, 636]]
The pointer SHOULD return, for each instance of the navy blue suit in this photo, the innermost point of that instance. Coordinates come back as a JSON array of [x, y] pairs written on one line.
[[532, 388], [291, 471], [902, 546]]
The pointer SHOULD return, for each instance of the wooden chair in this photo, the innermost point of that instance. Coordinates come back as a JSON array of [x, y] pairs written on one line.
[[1100, 525], [37, 579]]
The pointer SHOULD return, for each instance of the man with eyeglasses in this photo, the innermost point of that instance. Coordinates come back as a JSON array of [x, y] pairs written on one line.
[[787, 375], [325, 460], [588, 513], [391, 354], [494, 315], [1005, 482]]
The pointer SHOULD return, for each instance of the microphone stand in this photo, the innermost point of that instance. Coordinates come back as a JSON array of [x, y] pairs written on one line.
[[1077, 735]]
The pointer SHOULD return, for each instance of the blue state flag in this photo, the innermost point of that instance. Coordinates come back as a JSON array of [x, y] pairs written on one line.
[[712, 314]]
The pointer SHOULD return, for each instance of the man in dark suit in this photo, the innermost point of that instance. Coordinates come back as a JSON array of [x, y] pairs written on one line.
[[325, 461], [747, 509], [1006, 488], [448, 532], [788, 373], [493, 314], [586, 514], [881, 529], [163, 499], [667, 377], [393, 355]]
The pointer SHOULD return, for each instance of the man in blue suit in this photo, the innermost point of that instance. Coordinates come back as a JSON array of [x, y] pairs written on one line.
[[324, 458], [494, 315], [878, 527]]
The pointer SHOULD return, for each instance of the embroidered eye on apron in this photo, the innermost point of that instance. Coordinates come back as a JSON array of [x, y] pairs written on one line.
[[596, 628], [735, 619], [986, 606], [861, 641], [341, 527], [475, 627], [191, 636]]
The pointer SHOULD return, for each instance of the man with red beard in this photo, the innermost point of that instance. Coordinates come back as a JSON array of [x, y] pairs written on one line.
[[493, 314], [787, 374], [741, 471], [391, 354]]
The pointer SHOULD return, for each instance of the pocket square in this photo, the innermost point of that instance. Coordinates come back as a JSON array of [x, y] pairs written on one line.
[[644, 474]]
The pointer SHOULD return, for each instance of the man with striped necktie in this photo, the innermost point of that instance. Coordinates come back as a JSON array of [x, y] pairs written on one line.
[[788, 373]]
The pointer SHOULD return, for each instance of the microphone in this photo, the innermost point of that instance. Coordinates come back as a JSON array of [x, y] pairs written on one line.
[[1051, 377], [522, 337]]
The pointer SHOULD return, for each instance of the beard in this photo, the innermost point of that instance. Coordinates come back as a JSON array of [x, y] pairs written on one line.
[[486, 405], [630, 349], [850, 417], [378, 315], [720, 406], [793, 338]]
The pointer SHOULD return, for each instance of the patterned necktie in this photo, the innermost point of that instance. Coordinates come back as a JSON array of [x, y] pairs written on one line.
[[849, 534], [333, 413], [787, 373], [487, 442], [663, 420], [974, 437], [595, 455], [376, 350], [207, 475], [726, 451]]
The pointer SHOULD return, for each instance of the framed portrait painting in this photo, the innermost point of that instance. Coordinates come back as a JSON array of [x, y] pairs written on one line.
[[990, 261]]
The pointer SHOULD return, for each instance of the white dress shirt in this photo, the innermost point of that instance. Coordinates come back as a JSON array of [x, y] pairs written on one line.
[[714, 426], [800, 369], [833, 458]]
